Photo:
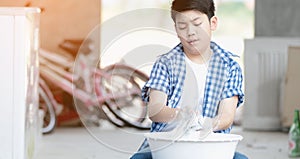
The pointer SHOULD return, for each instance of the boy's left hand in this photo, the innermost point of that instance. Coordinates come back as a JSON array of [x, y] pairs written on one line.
[[208, 123]]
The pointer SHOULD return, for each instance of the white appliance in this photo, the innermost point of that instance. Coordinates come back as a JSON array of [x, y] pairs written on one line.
[[265, 66], [19, 44]]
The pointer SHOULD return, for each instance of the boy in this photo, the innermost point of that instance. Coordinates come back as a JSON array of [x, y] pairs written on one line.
[[219, 77]]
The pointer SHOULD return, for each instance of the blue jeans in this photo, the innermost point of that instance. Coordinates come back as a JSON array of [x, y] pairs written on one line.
[[142, 154], [146, 154]]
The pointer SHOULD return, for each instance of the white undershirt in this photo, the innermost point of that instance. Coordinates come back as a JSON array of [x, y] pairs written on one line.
[[191, 96], [200, 72]]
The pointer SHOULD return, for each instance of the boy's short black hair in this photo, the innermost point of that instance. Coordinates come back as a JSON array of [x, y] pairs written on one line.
[[204, 6]]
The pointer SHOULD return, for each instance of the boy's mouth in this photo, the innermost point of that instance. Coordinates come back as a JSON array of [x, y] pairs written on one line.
[[192, 42]]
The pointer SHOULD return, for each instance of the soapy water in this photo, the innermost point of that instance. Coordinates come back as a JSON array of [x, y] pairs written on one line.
[[196, 127]]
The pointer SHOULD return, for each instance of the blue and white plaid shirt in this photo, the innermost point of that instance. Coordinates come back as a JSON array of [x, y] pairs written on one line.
[[224, 80]]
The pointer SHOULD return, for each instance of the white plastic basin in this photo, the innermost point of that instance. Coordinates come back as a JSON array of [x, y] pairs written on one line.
[[214, 146]]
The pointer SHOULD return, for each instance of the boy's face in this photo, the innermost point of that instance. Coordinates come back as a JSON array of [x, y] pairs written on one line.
[[194, 30]]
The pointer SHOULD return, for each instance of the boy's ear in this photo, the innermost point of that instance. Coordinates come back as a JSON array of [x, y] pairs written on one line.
[[213, 23]]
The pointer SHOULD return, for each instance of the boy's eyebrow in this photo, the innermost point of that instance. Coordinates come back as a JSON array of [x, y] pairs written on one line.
[[195, 19]]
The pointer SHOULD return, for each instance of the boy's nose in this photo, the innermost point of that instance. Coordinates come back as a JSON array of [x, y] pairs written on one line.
[[191, 31]]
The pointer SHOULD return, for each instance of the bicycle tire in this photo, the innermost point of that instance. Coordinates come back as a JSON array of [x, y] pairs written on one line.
[[130, 109], [93, 114], [49, 121], [112, 117]]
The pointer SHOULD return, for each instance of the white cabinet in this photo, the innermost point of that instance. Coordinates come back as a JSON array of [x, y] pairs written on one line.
[[19, 42], [265, 68]]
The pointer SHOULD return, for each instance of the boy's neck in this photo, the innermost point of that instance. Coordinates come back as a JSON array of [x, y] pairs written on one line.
[[200, 58]]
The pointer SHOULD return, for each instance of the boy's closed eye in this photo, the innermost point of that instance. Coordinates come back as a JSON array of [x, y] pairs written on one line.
[[182, 25]]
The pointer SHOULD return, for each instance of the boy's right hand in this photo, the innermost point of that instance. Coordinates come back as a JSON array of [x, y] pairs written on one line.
[[184, 119], [184, 114]]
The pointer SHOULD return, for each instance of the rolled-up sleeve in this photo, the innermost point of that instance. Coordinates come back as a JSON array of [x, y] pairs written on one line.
[[159, 79], [234, 85]]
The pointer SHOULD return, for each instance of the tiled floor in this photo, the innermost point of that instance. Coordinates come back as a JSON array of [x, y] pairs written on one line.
[[114, 143]]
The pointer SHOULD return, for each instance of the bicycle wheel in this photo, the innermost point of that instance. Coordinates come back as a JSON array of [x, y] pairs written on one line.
[[112, 117], [124, 84], [50, 116]]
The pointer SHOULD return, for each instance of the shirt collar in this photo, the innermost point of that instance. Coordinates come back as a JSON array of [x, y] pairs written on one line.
[[217, 50]]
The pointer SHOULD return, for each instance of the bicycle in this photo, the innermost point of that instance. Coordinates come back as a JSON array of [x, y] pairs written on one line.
[[117, 92]]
